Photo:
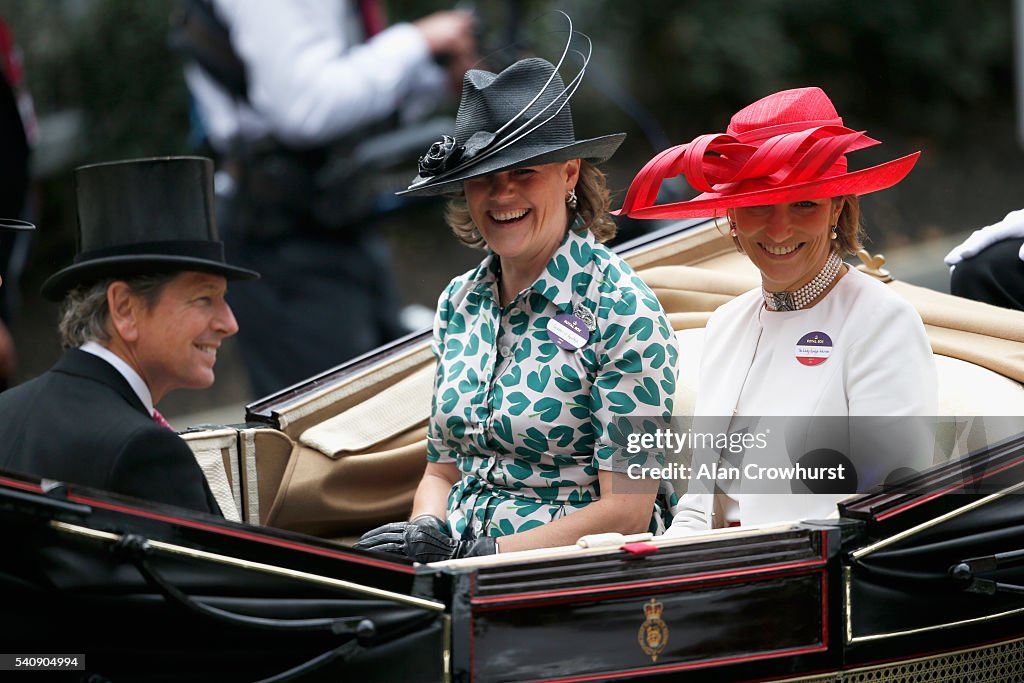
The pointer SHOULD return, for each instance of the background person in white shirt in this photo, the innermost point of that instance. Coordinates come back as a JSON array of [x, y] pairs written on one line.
[[307, 83]]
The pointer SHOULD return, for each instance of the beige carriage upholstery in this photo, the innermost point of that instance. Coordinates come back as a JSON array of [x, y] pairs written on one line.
[[216, 451], [348, 456]]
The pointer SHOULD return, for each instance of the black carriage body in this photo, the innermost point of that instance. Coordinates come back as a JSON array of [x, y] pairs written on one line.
[[730, 609], [940, 567], [868, 592], [70, 583]]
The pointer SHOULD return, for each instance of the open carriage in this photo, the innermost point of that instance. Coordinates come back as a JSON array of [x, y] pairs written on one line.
[[918, 583]]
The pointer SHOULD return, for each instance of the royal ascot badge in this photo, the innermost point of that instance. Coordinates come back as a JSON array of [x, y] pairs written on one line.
[[586, 315], [568, 331], [653, 633], [814, 348]]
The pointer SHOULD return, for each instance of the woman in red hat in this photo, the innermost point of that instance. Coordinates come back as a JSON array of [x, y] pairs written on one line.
[[818, 338]]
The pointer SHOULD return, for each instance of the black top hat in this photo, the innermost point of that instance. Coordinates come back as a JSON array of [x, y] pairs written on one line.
[[519, 117], [15, 224], [143, 216]]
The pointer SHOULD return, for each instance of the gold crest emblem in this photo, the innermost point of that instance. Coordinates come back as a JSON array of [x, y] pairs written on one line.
[[653, 633]]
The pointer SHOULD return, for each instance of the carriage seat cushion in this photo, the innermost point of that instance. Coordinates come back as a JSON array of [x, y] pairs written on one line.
[[390, 412]]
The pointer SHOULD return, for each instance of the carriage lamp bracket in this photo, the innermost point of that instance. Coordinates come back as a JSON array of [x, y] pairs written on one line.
[[137, 550], [967, 572]]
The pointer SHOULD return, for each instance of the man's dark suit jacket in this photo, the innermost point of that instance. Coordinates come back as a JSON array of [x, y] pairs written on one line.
[[80, 422]]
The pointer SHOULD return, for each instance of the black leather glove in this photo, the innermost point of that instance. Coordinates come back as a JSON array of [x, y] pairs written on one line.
[[425, 540], [478, 547], [390, 538], [431, 544]]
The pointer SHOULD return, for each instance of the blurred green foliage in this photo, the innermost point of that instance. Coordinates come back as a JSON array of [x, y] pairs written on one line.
[[932, 68], [108, 58], [918, 74]]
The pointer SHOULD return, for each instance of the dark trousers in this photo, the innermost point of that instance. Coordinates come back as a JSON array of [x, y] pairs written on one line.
[[321, 301], [995, 276]]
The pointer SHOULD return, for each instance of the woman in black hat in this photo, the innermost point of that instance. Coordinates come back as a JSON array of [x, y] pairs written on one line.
[[546, 349]]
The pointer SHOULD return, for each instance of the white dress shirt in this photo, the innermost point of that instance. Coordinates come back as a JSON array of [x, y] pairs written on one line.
[[136, 382]]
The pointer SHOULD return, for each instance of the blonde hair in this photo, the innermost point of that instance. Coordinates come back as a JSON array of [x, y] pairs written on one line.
[[592, 203]]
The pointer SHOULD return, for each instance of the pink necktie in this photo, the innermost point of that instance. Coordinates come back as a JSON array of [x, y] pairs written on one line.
[[160, 420], [373, 17]]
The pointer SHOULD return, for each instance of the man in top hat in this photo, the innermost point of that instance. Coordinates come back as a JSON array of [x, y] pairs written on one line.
[[143, 313]]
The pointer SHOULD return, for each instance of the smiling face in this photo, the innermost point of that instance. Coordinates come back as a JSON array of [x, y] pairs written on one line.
[[521, 213], [173, 343], [789, 242]]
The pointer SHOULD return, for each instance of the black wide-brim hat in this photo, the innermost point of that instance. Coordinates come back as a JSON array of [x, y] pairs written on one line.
[[144, 216], [519, 117], [15, 224]]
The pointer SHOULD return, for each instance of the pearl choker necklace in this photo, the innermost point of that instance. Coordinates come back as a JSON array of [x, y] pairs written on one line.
[[794, 301]]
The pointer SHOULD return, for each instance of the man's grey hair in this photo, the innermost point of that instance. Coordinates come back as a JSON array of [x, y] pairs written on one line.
[[84, 314]]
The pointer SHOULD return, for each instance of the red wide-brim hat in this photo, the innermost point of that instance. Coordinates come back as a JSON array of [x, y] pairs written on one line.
[[789, 146]]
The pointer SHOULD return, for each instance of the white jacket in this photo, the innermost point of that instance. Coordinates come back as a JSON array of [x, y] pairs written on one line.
[[879, 363]]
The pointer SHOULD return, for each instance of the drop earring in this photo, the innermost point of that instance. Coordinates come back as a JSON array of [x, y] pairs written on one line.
[[570, 199]]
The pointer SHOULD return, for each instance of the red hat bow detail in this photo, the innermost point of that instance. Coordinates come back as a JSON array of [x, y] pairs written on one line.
[[763, 159]]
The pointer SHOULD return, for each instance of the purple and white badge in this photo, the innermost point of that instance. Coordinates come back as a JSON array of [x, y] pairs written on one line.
[[814, 348], [568, 331]]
